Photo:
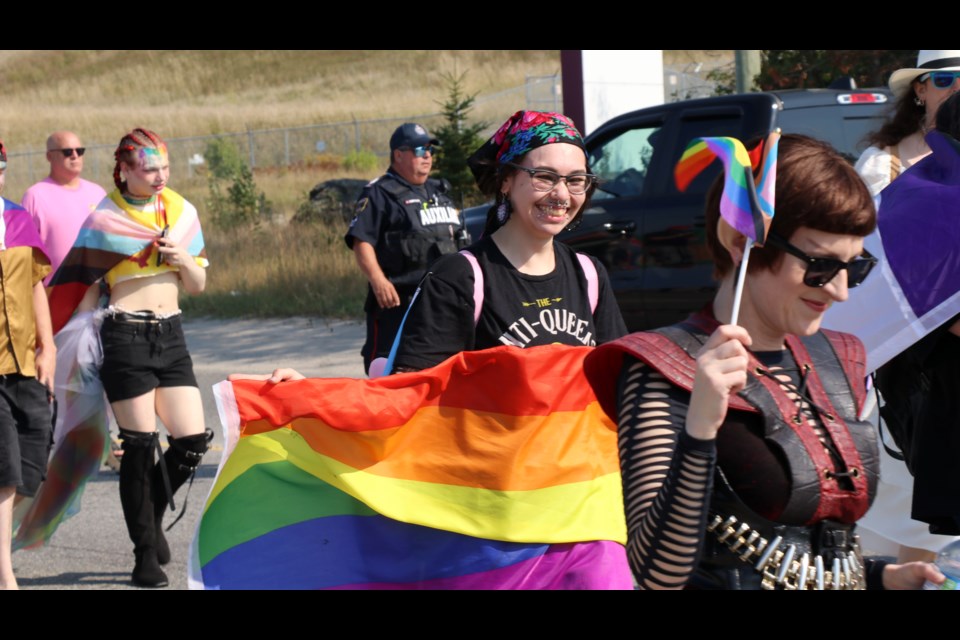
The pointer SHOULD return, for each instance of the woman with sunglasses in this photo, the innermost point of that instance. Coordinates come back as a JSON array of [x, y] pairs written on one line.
[[517, 285], [143, 240], [919, 92], [895, 147], [753, 429]]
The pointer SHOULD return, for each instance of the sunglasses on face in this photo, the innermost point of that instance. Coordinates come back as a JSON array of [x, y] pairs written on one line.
[[547, 180], [941, 79], [821, 271], [69, 151], [420, 152]]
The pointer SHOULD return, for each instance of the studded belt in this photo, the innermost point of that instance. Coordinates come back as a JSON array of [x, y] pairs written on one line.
[[782, 567]]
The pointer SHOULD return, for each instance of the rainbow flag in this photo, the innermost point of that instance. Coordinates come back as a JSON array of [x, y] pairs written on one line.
[[496, 469], [747, 203], [111, 234]]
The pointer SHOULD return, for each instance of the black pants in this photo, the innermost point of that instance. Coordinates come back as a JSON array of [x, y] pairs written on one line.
[[382, 328]]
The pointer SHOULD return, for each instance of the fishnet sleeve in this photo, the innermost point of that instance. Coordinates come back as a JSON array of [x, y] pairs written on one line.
[[667, 478]]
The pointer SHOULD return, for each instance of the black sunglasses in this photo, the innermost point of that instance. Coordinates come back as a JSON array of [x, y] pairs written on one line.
[[69, 151], [820, 271]]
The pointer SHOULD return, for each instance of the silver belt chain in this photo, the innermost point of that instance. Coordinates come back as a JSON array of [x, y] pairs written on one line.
[[780, 567]]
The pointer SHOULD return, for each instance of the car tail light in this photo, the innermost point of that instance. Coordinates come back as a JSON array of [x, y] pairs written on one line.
[[861, 98]]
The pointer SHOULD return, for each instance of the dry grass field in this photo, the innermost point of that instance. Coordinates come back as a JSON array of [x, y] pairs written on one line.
[[269, 270], [102, 94]]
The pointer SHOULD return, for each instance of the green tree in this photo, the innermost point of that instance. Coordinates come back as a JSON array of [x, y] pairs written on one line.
[[239, 203], [459, 139], [223, 158], [793, 68]]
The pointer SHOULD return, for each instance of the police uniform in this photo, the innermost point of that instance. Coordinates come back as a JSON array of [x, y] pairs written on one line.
[[409, 226]]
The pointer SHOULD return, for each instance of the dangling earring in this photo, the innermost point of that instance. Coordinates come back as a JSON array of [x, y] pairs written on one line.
[[919, 101], [504, 208]]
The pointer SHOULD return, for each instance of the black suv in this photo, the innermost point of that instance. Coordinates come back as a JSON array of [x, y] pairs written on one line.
[[650, 236]]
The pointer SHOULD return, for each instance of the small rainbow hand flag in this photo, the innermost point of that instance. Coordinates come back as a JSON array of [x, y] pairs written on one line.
[[445, 478], [747, 204]]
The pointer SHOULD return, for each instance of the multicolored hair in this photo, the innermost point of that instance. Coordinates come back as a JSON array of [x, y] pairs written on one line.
[[129, 145]]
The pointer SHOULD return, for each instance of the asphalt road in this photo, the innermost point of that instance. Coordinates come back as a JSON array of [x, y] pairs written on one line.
[[92, 549]]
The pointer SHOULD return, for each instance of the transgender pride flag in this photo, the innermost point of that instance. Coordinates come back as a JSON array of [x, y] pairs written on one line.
[[496, 469], [916, 286]]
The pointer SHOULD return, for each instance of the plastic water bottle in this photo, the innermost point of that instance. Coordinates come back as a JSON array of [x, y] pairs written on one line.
[[948, 561]]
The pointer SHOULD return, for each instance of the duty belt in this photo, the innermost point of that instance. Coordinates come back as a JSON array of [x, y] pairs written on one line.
[[779, 566]]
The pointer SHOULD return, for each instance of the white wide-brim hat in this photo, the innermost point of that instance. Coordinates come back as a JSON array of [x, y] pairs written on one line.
[[947, 60]]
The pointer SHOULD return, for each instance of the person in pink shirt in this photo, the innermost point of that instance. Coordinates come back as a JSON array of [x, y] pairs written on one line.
[[62, 201]]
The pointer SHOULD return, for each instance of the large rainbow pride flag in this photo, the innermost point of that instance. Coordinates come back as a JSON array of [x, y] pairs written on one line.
[[496, 469]]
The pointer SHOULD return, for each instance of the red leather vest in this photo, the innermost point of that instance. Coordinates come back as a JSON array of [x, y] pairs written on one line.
[[835, 383]]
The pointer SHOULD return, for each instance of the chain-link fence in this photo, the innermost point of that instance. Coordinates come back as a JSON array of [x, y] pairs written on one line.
[[262, 148], [685, 82], [290, 146]]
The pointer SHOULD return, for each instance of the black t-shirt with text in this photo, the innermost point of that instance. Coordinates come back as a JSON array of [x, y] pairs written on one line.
[[518, 309]]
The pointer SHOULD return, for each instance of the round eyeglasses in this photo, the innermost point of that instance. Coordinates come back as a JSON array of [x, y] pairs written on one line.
[[547, 180]]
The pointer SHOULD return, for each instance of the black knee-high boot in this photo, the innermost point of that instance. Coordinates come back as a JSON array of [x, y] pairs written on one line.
[[136, 498], [181, 459]]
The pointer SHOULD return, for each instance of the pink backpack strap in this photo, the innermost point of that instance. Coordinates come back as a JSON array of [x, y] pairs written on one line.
[[589, 270], [593, 280], [477, 285]]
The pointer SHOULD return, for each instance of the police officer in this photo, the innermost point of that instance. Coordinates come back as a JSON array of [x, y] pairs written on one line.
[[404, 220]]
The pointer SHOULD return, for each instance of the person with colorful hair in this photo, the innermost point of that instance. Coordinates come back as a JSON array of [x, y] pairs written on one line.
[[144, 240], [27, 367], [754, 429]]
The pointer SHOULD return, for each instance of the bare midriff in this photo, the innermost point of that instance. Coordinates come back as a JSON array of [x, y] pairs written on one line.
[[159, 293]]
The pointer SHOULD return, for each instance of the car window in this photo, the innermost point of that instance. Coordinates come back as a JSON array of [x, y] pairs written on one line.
[[845, 127], [623, 162]]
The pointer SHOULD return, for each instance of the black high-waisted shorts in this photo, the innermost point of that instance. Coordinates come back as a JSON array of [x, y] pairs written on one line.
[[142, 352]]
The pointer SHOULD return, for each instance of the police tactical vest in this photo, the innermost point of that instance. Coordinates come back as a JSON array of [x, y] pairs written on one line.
[[433, 228]]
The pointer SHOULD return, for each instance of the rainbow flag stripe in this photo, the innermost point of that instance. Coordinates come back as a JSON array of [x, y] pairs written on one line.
[[440, 479]]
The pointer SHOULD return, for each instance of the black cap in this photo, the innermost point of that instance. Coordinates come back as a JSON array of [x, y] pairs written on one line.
[[411, 135]]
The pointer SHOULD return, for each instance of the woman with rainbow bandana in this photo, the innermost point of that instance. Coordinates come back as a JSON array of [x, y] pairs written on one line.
[[144, 240]]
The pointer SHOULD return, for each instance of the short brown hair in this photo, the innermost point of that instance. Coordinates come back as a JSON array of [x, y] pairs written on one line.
[[816, 188]]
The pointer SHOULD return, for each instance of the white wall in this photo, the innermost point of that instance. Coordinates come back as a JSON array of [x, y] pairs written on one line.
[[616, 82]]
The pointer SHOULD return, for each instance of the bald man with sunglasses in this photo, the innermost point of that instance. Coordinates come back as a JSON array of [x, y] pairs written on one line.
[[62, 201]]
